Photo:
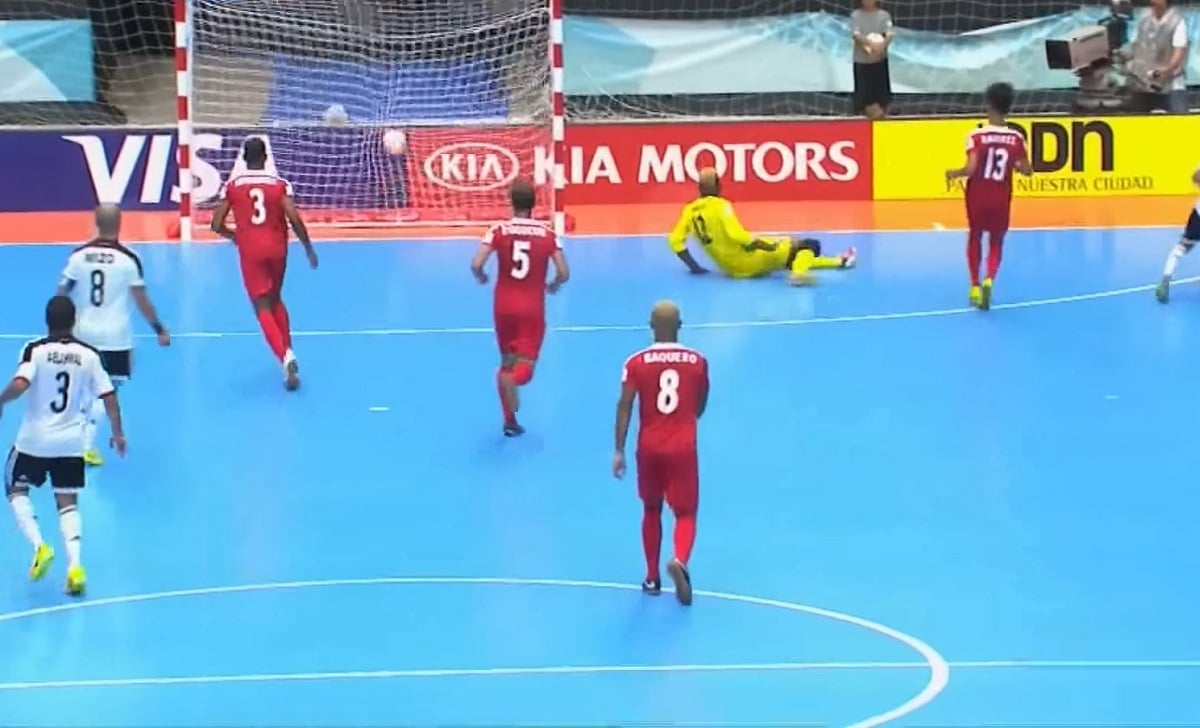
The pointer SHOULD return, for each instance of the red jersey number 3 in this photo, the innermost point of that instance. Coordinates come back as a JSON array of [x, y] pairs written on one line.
[[670, 381], [257, 205]]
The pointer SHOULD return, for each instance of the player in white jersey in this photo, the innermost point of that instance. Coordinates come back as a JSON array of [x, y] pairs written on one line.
[[102, 277], [58, 372]]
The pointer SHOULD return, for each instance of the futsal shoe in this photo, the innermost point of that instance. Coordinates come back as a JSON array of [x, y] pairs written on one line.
[[513, 429], [652, 587], [985, 295], [76, 580], [974, 296], [1163, 291], [291, 372], [93, 458], [849, 257], [683, 581], [43, 556]]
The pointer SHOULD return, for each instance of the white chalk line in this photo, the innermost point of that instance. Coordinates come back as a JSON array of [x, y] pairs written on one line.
[[933, 662], [764, 323], [934, 227], [595, 670]]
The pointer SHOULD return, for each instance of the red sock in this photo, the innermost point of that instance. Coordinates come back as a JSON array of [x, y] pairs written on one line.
[[501, 376], [685, 535], [995, 251], [974, 254], [271, 332], [284, 323], [652, 539]]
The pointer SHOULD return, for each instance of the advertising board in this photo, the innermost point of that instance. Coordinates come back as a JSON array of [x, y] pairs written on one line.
[[1071, 156]]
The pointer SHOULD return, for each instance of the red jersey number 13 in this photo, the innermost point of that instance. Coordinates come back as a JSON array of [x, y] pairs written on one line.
[[995, 165]]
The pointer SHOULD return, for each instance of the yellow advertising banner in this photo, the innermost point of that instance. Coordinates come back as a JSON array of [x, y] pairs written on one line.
[[1113, 156]]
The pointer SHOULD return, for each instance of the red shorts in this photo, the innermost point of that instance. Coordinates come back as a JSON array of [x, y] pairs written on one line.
[[520, 334], [674, 477], [992, 220], [263, 276]]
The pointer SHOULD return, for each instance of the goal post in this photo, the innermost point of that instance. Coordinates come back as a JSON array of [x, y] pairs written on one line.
[[380, 114]]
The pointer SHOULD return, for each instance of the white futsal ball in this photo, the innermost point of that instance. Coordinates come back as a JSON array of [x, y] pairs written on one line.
[[336, 116], [395, 141], [875, 39]]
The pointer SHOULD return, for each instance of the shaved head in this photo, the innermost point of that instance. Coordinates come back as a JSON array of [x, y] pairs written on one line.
[[664, 321], [108, 221], [710, 184]]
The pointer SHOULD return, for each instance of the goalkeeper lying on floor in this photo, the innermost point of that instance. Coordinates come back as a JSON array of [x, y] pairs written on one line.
[[711, 221]]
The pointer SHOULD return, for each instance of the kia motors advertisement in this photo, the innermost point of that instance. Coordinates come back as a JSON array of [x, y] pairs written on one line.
[[457, 171]]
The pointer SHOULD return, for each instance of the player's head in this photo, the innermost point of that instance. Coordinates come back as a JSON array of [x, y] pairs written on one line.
[[60, 315], [523, 198], [999, 98], [664, 321], [108, 221], [254, 151], [709, 183]]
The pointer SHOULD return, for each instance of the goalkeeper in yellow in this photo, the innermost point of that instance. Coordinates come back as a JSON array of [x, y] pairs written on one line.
[[737, 253]]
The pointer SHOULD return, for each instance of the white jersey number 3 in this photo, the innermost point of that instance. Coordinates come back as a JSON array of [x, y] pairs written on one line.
[[258, 199], [668, 391], [520, 258]]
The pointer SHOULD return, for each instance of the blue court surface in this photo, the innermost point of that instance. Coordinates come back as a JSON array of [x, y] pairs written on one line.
[[912, 513]]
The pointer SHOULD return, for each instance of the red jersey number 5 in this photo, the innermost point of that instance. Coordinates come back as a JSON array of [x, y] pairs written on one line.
[[258, 200], [995, 167], [668, 391], [520, 258]]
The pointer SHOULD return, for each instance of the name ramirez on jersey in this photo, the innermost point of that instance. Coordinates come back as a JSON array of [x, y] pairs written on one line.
[[63, 373], [100, 277]]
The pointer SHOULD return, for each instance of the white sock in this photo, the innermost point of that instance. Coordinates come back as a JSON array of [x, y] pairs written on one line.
[[71, 524], [26, 519], [1173, 260]]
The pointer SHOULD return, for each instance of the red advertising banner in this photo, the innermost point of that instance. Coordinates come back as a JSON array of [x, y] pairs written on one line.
[[470, 169]]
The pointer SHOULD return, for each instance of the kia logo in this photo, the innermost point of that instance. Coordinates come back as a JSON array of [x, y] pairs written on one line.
[[472, 166]]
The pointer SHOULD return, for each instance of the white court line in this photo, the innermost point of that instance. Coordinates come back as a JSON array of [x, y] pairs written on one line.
[[582, 237], [1079, 298], [934, 663], [594, 670]]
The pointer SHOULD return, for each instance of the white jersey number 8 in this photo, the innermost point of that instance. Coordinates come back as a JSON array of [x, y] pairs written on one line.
[[520, 258], [258, 199], [668, 391]]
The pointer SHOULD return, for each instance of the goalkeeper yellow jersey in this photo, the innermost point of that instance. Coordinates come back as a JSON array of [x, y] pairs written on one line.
[[711, 221]]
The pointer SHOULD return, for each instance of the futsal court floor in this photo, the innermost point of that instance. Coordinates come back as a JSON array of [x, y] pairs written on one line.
[[912, 513]]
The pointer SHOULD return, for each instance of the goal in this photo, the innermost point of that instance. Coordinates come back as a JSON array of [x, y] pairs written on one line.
[[381, 113]]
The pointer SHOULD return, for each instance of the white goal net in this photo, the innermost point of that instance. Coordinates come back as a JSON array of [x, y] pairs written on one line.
[[381, 111]]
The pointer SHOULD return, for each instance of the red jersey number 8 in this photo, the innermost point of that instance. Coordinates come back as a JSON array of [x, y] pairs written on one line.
[[668, 391], [258, 201], [995, 167], [520, 259]]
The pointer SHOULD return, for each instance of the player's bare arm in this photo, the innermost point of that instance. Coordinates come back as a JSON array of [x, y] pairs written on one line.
[[297, 222], [146, 307], [113, 409], [1024, 167], [479, 261], [693, 267], [621, 434], [966, 170], [562, 273], [220, 216], [13, 391]]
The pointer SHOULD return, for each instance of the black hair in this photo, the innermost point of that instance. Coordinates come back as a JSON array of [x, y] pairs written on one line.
[[523, 196], [60, 314], [999, 97], [254, 151]]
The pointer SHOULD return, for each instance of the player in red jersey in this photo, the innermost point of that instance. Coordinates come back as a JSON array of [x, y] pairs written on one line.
[[670, 382], [524, 249], [994, 151], [262, 210]]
